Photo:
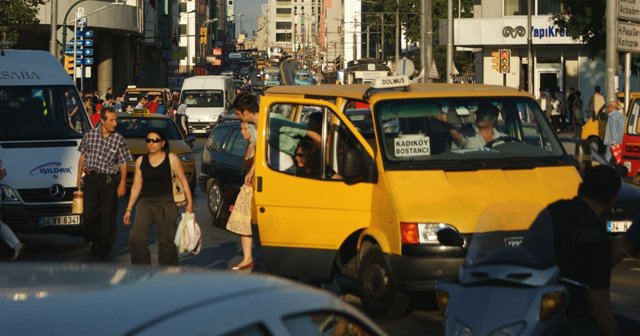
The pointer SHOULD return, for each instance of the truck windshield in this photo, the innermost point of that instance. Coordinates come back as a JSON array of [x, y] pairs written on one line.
[[203, 98], [480, 132], [41, 112]]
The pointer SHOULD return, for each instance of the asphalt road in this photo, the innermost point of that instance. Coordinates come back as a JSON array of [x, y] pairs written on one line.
[[221, 250]]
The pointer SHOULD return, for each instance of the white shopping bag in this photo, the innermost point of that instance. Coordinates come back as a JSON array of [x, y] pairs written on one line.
[[187, 237]]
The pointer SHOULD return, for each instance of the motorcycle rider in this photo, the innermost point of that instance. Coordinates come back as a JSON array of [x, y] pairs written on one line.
[[582, 250]]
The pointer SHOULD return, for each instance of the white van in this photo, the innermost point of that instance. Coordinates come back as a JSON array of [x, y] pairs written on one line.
[[42, 121], [207, 97]]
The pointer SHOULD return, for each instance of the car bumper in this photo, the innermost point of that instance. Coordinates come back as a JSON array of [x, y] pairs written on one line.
[[24, 218], [420, 267], [201, 127]]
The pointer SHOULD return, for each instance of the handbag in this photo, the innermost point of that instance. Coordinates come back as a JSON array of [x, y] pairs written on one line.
[[616, 152], [240, 218], [176, 187], [78, 202], [188, 236]]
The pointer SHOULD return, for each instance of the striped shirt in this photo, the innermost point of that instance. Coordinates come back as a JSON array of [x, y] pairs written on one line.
[[104, 155]]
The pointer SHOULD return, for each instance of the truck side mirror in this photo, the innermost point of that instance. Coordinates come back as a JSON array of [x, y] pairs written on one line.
[[582, 153]]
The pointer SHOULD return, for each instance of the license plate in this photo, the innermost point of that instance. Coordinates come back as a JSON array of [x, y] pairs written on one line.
[[199, 131], [513, 241], [618, 226], [59, 220]]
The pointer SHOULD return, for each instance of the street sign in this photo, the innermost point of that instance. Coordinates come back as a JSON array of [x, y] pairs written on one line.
[[79, 52], [628, 37], [81, 43], [79, 12], [629, 10], [85, 33], [60, 32], [404, 67], [84, 61]]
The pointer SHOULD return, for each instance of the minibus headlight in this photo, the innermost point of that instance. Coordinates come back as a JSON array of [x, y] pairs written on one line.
[[443, 300], [8, 195], [422, 233], [186, 157]]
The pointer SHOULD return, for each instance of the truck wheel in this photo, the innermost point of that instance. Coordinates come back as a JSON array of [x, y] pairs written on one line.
[[214, 198], [379, 296]]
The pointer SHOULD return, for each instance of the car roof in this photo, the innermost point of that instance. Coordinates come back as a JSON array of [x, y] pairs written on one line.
[[76, 298], [357, 91]]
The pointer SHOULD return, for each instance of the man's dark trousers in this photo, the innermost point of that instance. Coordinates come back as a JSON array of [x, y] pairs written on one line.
[[100, 211]]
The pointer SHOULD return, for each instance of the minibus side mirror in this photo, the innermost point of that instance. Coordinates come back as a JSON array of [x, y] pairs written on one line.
[[352, 167], [583, 156], [449, 237]]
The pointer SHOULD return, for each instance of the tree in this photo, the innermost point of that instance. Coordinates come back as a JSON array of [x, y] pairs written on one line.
[[17, 12], [585, 20]]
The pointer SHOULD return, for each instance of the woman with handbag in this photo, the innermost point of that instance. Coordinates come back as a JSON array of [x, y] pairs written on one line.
[[239, 222], [153, 179]]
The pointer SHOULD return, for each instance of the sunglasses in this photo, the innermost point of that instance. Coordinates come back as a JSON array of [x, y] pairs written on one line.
[[154, 140]]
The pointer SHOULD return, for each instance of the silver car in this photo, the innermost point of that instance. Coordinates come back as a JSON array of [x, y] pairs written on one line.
[[76, 299]]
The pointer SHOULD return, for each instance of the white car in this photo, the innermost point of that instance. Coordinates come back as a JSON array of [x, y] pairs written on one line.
[[77, 299]]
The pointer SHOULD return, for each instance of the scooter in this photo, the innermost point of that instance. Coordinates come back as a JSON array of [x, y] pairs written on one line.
[[502, 289]]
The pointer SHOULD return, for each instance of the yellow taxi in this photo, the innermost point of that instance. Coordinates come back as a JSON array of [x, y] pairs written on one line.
[[132, 94], [134, 127], [593, 131], [366, 202]]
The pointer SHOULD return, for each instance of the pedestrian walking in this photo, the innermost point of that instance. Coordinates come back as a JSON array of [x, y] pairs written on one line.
[[596, 103], [103, 161], [5, 231], [615, 127], [578, 113], [153, 181]]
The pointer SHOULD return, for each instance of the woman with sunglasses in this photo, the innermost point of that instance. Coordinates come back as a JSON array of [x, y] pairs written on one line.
[[152, 180]]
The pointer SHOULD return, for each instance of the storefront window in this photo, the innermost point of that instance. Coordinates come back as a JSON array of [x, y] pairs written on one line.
[[549, 7], [515, 7]]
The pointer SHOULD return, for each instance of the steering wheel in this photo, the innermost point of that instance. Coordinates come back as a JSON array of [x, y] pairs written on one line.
[[504, 138]]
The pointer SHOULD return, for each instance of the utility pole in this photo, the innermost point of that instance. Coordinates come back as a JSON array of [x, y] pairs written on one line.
[[449, 40], [397, 33], [529, 50], [53, 43], [367, 44], [429, 36], [382, 46], [611, 19], [423, 42]]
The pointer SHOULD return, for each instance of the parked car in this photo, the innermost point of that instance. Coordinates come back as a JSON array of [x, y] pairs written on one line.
[[72, 299], [134, 128], [221, 168]]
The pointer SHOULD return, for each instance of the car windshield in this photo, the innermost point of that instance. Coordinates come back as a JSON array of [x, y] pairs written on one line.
[[473, 131], [203, 98], [132, 127], [41, 112]]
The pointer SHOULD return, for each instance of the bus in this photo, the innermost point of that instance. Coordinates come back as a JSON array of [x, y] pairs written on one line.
[[364, 73]]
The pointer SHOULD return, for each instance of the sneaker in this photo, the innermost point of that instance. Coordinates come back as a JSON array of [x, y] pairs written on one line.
[[17, 251]]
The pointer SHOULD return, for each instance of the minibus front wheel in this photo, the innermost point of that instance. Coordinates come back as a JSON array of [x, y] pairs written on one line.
[[379, 296]]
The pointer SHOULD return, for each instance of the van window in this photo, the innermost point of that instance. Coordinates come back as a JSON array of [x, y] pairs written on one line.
[[41, 112], [634, 123], [473, 131], [292, 151], [203, 98]]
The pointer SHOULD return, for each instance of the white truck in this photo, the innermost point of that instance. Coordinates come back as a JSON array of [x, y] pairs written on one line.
[[42, 121], [206, 97]]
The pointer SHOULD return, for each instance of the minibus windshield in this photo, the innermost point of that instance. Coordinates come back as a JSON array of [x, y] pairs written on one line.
[[41, 112], [447, 130]]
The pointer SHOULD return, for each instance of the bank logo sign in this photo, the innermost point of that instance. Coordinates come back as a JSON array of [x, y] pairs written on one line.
[[512, 32]]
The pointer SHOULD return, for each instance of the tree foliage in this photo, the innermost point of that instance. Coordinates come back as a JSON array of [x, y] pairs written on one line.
[[410, 11], [585, 20], [17, 12]]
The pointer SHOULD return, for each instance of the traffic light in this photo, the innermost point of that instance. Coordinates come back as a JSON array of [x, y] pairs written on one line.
[[203, 35], [69, 64], [495, 61], [505, 60]]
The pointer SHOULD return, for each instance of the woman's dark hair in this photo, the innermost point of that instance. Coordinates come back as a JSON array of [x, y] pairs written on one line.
[[311, 154], [161, 136], [245, 101]]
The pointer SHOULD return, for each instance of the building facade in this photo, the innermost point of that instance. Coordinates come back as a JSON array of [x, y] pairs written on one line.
[[558, 60]]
